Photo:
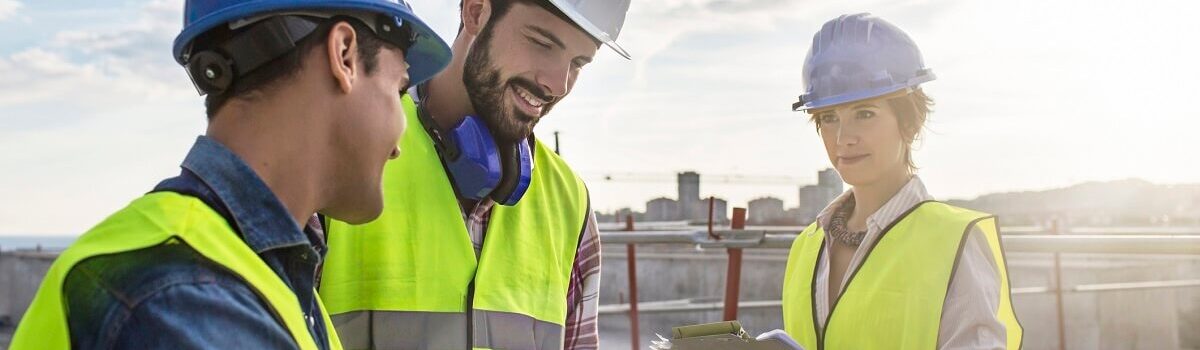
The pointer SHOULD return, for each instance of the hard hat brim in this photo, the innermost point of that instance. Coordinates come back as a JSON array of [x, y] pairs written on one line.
[[594, 31], [860, 95]]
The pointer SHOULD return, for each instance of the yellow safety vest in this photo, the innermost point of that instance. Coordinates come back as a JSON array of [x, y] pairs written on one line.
[[894, 299], [155, 219], [417, 256]]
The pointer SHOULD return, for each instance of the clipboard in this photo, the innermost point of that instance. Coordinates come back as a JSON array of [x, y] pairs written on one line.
[[727, 335]]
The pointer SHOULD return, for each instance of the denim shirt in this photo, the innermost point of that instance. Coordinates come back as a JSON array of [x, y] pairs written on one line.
[[171, 296]]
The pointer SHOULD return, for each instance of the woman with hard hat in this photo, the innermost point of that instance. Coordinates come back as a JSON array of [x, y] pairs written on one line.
[[885, 266]]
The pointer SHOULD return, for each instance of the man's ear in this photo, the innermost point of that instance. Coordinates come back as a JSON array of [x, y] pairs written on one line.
[[475, 15], [342, 50]]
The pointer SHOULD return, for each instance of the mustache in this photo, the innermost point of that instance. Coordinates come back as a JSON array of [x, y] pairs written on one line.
[[533, 89]]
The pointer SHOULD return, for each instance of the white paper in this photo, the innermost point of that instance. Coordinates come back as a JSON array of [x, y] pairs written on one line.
[[780, 336]]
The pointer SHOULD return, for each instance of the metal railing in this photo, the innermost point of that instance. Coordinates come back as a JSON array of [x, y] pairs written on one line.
[[1014, 239], [1029, 243], [710, 304]]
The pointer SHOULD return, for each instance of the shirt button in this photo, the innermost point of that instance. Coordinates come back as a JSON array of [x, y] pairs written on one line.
[[310, 320]]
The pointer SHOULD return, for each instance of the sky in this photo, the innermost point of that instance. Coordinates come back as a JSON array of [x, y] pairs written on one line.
[[1030, 95]]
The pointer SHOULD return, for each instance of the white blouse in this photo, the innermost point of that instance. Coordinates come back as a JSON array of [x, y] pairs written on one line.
[[969, 315]]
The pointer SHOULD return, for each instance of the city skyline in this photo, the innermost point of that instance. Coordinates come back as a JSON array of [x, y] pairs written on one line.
[[690, 206]]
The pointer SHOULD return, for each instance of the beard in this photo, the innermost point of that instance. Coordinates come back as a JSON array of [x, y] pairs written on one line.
[[486, 90]]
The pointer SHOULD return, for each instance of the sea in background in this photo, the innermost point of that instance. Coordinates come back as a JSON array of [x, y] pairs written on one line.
[[32, 242]]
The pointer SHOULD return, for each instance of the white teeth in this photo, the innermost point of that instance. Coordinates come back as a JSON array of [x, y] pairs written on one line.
[[529, 98]]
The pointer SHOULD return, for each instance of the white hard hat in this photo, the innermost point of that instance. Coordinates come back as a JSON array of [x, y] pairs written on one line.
[[602, 19]]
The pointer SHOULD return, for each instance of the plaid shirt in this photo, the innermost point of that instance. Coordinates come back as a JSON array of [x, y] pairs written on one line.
[[584, 290]]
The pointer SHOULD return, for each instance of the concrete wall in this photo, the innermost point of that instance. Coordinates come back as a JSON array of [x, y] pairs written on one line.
[[1136, 319], [20, 275], [1128, 319]]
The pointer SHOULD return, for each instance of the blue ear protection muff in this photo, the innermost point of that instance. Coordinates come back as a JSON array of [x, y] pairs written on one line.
[[478, 166]]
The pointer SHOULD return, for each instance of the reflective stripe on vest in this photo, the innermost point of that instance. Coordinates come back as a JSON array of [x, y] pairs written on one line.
[[498, 330], [417, 257], [894, 299], [154, 219]]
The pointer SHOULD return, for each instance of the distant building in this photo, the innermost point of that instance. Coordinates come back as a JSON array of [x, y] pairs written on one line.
[[700, 211], [720, 211], [689, 197], [619, 216], [765, 211], [793, 217], [830, 180], [813, 198], [662, 209]]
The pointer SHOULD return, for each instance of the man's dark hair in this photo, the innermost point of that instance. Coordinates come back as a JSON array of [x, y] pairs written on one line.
[[288, 64], [501, 7]]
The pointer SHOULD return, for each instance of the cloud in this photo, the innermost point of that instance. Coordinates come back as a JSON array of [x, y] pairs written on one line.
[[85, 71], [93, 113], [8, 8]]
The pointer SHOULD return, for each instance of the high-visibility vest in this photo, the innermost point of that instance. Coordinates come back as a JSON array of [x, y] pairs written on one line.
[[155, 219], [417, 257], [894, 299]]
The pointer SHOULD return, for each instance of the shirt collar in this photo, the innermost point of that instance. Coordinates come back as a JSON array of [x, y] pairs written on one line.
[[912, 193], [263, 220]]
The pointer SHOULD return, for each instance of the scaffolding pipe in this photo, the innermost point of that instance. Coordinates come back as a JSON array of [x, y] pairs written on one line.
[[733, 275], [631, 261]]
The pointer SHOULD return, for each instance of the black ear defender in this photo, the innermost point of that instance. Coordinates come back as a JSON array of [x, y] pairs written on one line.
[[385, 27], [211, 72], [258, 41], [214, 70]]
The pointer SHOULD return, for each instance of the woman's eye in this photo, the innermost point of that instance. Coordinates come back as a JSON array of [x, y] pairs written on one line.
[[828, 119], [865, 114]]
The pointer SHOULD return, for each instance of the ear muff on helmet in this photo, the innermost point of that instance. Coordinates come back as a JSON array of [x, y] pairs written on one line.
[[214, 70], [211, 72], [267, 37]]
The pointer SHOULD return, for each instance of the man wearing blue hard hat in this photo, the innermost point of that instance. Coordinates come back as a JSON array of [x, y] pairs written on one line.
[[303, 104], [885, 266], [487, 239]]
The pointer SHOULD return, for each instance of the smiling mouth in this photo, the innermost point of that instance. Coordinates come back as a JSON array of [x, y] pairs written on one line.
[[527, 101]]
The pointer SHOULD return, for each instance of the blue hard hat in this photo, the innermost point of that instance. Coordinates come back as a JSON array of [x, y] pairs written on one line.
[[857, 57], [428, 55]]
